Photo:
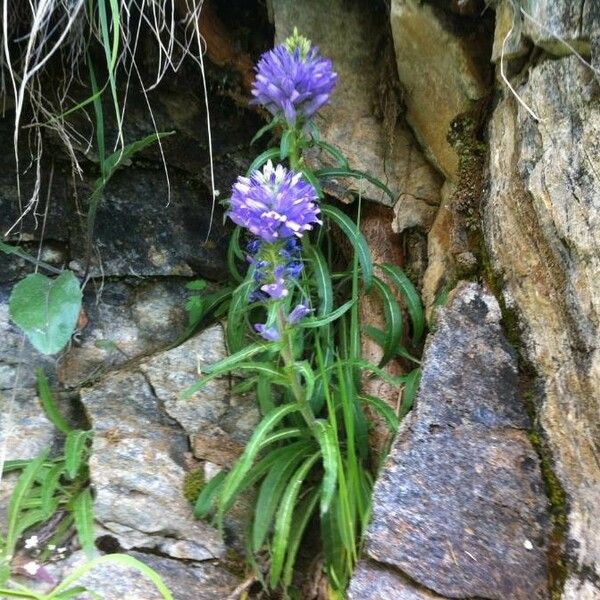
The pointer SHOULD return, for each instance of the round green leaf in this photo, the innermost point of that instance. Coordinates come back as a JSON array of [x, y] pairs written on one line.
[[46, 309]]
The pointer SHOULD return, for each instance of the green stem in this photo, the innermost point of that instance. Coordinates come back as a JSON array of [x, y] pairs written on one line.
[[287, 353], [294, 157]]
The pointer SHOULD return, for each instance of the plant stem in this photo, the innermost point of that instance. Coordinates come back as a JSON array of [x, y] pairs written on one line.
[[287, 353]]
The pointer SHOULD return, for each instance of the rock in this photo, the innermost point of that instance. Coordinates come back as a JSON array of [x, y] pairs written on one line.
[[459, 506], [352, 36], [127, 319], [541, 217], [509, 43], [186, 581], [217, 422], [443, 71], [137, 470], [552, 24], [374, 581]]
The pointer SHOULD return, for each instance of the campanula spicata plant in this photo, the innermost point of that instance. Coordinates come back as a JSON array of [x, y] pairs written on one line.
[[293, 328]]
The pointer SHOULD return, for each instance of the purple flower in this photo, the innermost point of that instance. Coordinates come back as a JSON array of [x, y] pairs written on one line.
[[269, 333], [274, 203], [298, 313], [293, 81], [276, 289]]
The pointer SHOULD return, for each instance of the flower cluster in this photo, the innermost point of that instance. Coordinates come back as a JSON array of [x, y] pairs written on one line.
[[274, 203], [293, 80]]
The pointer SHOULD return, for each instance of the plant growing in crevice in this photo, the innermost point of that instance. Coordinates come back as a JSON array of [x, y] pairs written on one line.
[[293, 328]]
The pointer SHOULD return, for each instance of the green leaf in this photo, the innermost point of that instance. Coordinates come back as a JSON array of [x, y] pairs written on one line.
[[238, 308], [83, 514], [356, 238], [300, 519], [50, 486], [75, 451], [393, 318], [261, 159], [8, 249], [48, 403], [243, 465], [410, 391], [208, 496], [410, 295], [320, 321], [5, 592], [330, 453], [283, 520], [234, 252], [322, 278], [379, 337], [342, 172], [270, 493], [334, 152], [47, 309], [384, 410], [18, 497], [287, 139], [312, 179], [264, 130]]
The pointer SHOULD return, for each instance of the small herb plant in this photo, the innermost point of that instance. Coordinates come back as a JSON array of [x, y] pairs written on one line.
[[293, 329]]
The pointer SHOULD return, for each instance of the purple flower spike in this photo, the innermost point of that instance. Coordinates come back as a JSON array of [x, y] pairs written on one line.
[[298, 313], [274, 203], [295, 82], [269, 333]]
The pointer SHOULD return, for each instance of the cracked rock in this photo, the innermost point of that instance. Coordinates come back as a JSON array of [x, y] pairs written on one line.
[[459, 507]]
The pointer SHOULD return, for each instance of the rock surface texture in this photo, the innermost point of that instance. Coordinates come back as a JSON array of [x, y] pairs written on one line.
[[459, 509], [541, 224]]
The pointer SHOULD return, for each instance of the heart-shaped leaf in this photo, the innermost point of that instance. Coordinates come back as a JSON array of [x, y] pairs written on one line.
[[47, 309]]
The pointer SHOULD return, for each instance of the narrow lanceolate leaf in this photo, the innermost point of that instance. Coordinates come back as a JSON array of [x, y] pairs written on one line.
[[330, 454], [287, 139], [244, 464], [224, 366], [301, 518], [335, 153], [283, 520], [271, 490], [332, 316], [322, 279], [238, 308], [208, 496], [83, 515], [234, 252], [50, 487], [312, 179], [356, 238], [75, 451], [48, 403], [393, 318], [343, 172], [384, 410], [47, 309], [18, 497], [261, 159], [410, 391], [410, 295]]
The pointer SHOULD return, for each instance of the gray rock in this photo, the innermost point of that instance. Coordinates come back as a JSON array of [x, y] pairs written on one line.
[[541, 218], [137, 470], [126, 320], [351, 36], [217, 422], [376, 582], [459, 506], [186, 581]]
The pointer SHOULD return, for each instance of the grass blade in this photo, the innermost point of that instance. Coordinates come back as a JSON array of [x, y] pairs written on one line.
[[83, 515], [343, 172], [393, 318], [48, 403], [75, 451], [331, 458]]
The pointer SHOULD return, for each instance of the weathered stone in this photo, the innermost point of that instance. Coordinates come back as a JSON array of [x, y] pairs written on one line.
[[352, 36], [542, 214], [186, 581], [551, 23], [217, 422], [376, 582], [126, 320], [136, 468], [443, 72], [459, 505], [509, 43]]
